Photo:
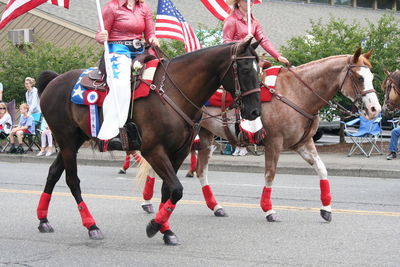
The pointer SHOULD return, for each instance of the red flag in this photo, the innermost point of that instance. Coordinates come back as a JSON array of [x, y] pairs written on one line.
[[220, 9], [63, 3], [15, 8], [171, 24]]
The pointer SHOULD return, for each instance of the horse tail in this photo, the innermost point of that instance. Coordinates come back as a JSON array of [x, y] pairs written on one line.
[[44, 78], [144, 170]]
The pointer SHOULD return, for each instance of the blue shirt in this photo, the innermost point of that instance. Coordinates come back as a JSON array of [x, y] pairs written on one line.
[[28, 121]]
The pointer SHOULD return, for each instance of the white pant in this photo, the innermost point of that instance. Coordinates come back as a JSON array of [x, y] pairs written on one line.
[[116, 103]]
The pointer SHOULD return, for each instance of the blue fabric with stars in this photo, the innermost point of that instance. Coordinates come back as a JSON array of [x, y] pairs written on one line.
[[78, 91], [125, 50]]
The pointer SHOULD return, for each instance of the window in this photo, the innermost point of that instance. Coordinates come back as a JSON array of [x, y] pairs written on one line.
[[343, 2], [385, 4], [365, 3]]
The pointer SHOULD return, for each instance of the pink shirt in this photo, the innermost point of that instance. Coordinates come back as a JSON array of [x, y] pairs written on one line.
[[235, 29], [125, 24]]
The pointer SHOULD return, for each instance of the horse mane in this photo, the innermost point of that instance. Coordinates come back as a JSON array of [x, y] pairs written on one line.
[[44, 78], [395, 76], [318, 61]]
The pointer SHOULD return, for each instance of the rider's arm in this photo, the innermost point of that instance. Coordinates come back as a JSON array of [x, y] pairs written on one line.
[[108, 18], [149, 32]]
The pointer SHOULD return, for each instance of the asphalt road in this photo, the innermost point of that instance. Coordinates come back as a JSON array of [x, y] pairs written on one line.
[[364, 231]]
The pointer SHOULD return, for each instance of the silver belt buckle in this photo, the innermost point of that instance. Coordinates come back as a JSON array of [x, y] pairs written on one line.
[[136, 44]]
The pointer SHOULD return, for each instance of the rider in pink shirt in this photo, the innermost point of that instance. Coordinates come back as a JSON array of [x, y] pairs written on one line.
[[126, 23], [235, 29]]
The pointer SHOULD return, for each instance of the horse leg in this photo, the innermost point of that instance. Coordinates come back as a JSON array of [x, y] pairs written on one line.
[[68, 152], [309, 153], [55, 171], [172, 191], [148, 192], [204, 155], [272, 153]]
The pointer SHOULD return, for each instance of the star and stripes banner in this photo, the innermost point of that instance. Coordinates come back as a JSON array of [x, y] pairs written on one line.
[[15, 8], [219, 8], [170, 24]]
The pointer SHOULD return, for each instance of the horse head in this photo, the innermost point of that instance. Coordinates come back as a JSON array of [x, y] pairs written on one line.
[[242, 79], [391, 88], [357, 84]]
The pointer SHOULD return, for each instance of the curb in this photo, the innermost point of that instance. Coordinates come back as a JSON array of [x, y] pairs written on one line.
[[222, 166]]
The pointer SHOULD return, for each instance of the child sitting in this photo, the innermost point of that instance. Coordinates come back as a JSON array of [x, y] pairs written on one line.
[[46, 134], [26, 125]]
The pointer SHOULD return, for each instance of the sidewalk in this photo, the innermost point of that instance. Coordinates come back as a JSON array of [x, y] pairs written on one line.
[[338, 164]]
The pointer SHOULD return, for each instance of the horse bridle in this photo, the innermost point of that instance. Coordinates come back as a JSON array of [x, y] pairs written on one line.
[[238, 89]]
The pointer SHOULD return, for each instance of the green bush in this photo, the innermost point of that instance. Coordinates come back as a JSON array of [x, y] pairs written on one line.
[[338, 37], [18, 62]]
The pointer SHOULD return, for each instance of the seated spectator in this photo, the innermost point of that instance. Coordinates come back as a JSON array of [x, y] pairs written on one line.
[[394, 139], [5, 121], [26, 125], [46, 134]]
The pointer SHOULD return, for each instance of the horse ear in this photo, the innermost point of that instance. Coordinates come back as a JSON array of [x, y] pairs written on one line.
[[368, 54], [386, 72], [357, 55], [256, 44], [243, 45]]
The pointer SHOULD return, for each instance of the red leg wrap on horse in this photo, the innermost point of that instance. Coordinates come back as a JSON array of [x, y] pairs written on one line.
[[127, 162], [193, 162], [87, 219], [165, 212], [209, 197], [164, 226], [325, 192], [43, 206], [265, 202], [137, 157], [148, 188]]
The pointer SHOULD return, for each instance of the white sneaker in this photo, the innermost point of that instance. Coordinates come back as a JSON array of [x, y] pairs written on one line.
[[41, 153], [243, 151], [237, 151], [48, 154]]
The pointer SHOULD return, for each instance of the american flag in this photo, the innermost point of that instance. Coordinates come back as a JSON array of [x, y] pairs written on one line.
[[15, 8], [220, 9], [171, 24]]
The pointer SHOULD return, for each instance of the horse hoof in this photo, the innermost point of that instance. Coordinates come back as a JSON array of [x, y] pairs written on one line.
[[148, 208], [45, 227], [95, 233], [272, 217], [326, 215], [189, 174], [152, 228], [170, 238], [220, 213]]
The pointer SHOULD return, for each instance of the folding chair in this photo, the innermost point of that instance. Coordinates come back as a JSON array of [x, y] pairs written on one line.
[[33, 139], [369, 132]]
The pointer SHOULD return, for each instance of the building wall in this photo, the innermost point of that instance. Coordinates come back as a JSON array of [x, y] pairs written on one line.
[[48, 28]]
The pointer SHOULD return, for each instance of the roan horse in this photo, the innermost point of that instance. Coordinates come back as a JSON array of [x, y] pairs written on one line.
[[166, 129], [391, 88], [291, 127]]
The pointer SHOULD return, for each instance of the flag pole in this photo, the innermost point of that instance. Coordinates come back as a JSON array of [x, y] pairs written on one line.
[[110, 81], [248, 16]]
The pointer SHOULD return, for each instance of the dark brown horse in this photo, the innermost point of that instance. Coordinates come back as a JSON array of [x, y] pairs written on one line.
[[391, 88], [289, 128], [188, 81]]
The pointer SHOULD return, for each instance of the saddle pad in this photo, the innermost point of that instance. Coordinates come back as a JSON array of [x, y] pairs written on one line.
[[143, 89], [216, 99], [271, 74], [82, 96]]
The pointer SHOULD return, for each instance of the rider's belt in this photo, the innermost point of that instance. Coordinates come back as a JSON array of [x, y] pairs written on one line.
[[135, 43]]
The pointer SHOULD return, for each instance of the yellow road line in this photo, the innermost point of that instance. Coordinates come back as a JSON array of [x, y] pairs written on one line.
[[196, 202]]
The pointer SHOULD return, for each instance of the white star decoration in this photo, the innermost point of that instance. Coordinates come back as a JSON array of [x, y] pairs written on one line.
[[78, 92]]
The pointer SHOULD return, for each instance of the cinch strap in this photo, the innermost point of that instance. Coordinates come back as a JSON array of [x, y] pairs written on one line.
[[165, 212], [209, 197], [148, 188], [87, 218], [43, 206], [265, 202], [325, 192]]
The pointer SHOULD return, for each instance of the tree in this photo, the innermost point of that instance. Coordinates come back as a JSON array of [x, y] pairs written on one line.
[[18, 62]]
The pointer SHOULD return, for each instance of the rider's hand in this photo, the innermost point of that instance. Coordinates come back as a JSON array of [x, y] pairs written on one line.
[[283, 60], [103, 36], [154, 41]]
